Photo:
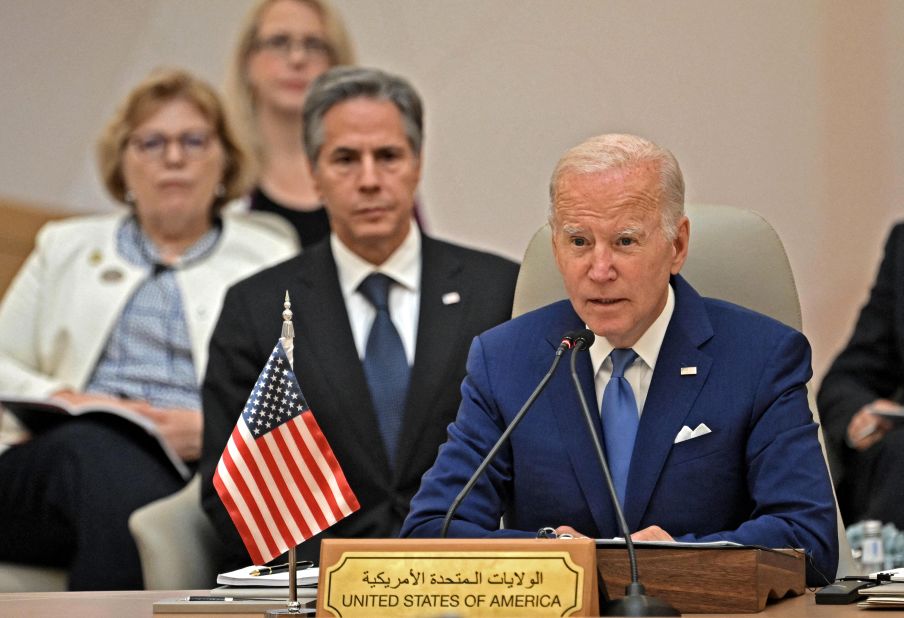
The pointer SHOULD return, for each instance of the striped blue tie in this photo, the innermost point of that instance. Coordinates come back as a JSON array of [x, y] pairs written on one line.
[[620, 420], [385, 364]]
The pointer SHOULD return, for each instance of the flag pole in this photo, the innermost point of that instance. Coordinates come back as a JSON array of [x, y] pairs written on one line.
[[277, 397], [287, 338]]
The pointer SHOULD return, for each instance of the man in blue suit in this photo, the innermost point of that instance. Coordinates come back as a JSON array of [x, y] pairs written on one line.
[[713, 396]]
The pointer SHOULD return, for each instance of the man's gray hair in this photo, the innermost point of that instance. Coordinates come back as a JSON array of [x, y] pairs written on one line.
[[344, 83], [615, 151]]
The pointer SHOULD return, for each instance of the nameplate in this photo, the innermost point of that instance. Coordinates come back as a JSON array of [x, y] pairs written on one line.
[[464, 577]]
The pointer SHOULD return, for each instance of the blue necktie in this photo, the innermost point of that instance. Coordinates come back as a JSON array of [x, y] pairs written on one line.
[[620, 420], [385, 364]]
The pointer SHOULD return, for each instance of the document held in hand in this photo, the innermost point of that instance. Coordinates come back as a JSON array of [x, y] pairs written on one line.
[[278, 477], [39, 415]]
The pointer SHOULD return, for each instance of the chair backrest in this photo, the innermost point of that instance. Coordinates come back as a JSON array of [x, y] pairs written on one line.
[[17, 577], [178, 547], [21, 222], [734, 254]]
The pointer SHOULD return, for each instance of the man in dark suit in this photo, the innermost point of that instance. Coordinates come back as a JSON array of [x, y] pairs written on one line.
[[863, 382], [702, 404], [382, 386]]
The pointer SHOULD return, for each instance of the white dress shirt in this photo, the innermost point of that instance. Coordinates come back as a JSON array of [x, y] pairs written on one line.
[[640, 372], [404, 266]]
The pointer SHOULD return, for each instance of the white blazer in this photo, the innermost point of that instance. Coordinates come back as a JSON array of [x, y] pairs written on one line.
[[59, 311]]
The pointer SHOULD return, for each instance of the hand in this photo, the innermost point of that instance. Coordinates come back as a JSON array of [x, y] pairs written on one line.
[[569, 530], [867, 428], [180, 427], [652, 533]]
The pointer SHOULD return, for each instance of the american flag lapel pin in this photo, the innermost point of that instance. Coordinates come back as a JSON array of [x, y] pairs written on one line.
[[451, 298], [688, 371]]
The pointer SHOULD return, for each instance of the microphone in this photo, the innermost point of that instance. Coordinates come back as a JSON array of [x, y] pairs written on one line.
[[635, 602], [567, 343]]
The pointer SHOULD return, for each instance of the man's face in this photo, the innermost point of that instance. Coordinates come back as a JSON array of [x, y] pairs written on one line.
[[366, 174], [611, 251]]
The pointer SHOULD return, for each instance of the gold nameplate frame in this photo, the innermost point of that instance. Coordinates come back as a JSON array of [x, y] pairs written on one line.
[[465, 577]]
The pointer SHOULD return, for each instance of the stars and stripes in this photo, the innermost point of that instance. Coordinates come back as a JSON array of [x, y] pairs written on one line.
[[278, 477]]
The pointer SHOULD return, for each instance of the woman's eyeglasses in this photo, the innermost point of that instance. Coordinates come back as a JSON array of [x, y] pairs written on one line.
[[194, 144], [283, 45]]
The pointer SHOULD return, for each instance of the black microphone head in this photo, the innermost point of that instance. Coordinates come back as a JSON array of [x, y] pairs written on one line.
[[581, 339]]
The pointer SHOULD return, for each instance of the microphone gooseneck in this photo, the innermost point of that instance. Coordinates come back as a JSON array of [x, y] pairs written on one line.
[[583, 344], [566, 343], [635, 602]]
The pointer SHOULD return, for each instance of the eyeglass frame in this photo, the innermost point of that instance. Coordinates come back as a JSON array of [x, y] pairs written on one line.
[[189, 151], [283, 45]]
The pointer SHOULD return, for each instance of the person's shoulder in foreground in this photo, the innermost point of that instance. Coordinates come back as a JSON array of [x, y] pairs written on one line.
[[871, 364], [862, 385]]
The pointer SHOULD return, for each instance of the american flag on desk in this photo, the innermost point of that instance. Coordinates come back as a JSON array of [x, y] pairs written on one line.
[[278, 477]]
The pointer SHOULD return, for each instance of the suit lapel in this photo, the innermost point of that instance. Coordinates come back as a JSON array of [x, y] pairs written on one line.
[[328, 348], [670, 397], [440, 318]]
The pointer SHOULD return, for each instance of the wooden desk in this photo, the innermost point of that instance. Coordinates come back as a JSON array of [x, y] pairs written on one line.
[[132, 603], [139, 604], [706, 579], [803, 606]]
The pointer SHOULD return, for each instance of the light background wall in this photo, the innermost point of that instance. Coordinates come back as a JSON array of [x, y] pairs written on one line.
[[793, 109]]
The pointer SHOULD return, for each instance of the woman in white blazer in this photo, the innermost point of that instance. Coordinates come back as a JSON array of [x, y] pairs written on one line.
[[118, 309]]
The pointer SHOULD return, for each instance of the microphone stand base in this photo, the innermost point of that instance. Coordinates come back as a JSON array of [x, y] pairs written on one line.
[[636, 603]]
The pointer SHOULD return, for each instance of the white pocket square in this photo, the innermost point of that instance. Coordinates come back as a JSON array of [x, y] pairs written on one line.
[[687, 433]]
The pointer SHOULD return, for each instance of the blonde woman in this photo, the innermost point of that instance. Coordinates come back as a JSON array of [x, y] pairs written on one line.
[[283, 46]]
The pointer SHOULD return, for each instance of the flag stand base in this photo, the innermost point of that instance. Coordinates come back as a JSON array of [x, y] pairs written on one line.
[[289, 611], [293, 606]]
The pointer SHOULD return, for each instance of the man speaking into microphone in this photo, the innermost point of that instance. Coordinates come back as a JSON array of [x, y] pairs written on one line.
[[702, 405]]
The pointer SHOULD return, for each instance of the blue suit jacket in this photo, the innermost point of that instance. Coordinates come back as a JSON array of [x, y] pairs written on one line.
[[758, 478]]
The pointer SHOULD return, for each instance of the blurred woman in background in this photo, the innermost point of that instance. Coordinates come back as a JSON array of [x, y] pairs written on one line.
[[117, 309], [283, 46]]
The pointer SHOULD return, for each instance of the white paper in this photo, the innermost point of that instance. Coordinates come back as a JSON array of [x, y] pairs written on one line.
[[896, 415], [897, 575], [243, 577], [29, 410], [621, 541]]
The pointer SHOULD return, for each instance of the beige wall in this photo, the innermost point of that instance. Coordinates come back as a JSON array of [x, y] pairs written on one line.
[[793, 109]]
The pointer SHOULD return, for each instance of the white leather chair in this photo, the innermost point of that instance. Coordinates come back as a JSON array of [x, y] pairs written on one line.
[[16, 577], [734, 255], [177, 544]]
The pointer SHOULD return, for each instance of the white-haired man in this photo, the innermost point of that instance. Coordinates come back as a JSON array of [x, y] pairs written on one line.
[[702, 404]]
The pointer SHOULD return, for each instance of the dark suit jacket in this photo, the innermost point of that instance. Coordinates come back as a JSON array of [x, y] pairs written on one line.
[[758, 478], [870, 367], [332, 379]]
